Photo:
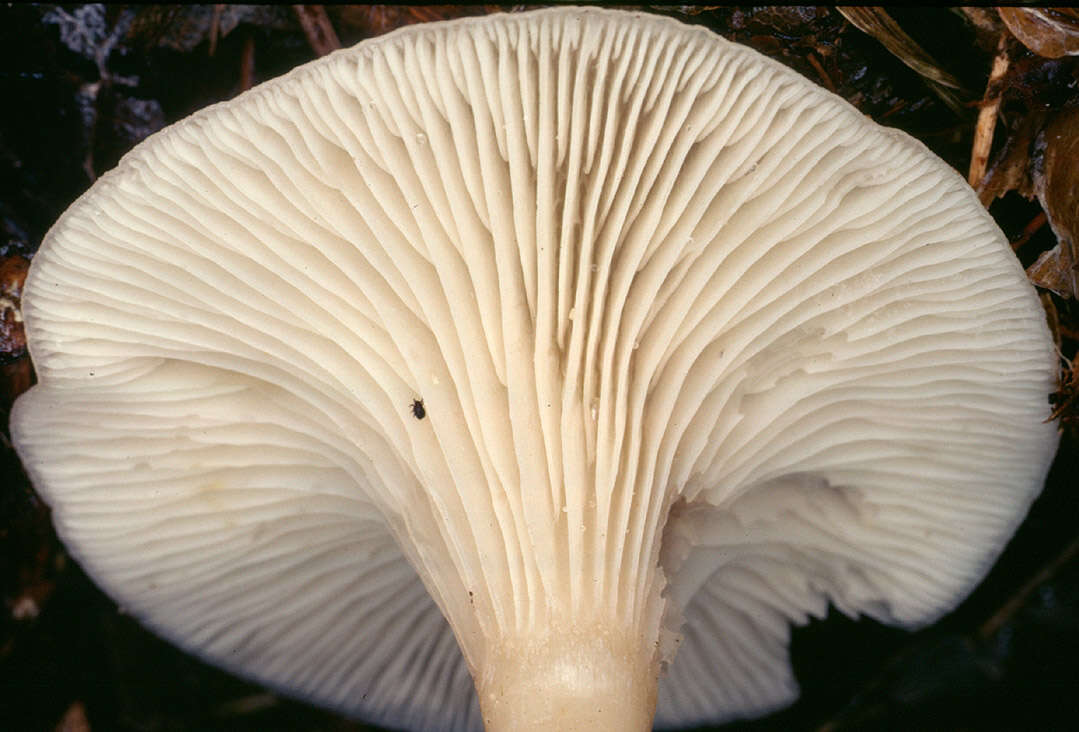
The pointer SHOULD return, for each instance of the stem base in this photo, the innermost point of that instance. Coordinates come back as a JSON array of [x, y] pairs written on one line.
[[578, 681]]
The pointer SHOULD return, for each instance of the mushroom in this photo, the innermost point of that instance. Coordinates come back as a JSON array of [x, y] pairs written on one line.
[[573, 354]]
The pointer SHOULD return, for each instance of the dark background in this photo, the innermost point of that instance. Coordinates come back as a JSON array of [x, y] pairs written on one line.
[[80, 86]]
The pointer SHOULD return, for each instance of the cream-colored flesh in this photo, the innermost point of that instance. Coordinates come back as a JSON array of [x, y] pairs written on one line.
[[700, 349]]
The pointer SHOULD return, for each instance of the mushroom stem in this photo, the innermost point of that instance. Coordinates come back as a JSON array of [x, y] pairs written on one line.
[[585, 679]]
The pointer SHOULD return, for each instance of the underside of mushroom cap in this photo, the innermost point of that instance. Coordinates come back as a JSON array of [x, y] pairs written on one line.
[[700, 350]]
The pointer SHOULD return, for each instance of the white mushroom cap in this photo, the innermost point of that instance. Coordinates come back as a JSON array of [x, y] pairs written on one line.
[[701, 349]]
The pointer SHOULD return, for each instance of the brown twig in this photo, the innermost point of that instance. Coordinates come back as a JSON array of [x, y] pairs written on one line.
[[215, 26], [245, 705], [987, 116], [1019, 599], [827, 80], [1030, 230], [247, 64], [895, 108], [316, 25]]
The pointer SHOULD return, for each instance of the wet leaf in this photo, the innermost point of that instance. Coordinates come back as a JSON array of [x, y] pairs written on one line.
[[1056, 183], [1048, 32]]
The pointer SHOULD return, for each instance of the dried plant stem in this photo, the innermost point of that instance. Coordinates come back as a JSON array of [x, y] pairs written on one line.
[[987, 117], [215, 27], [1030, 230], [819, 68], [318, 28], [1019, 599], [247, 64]]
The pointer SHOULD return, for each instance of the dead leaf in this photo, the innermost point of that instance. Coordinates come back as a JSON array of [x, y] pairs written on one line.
[[1048, 32], [1010, 170], [16, 373], [1052, 318], [1055, 270], [878, 23], [12, 276], [987, 26], [1056, 183]]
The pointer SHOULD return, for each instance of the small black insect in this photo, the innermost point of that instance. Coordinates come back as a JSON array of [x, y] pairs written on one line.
[[417, 409]]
